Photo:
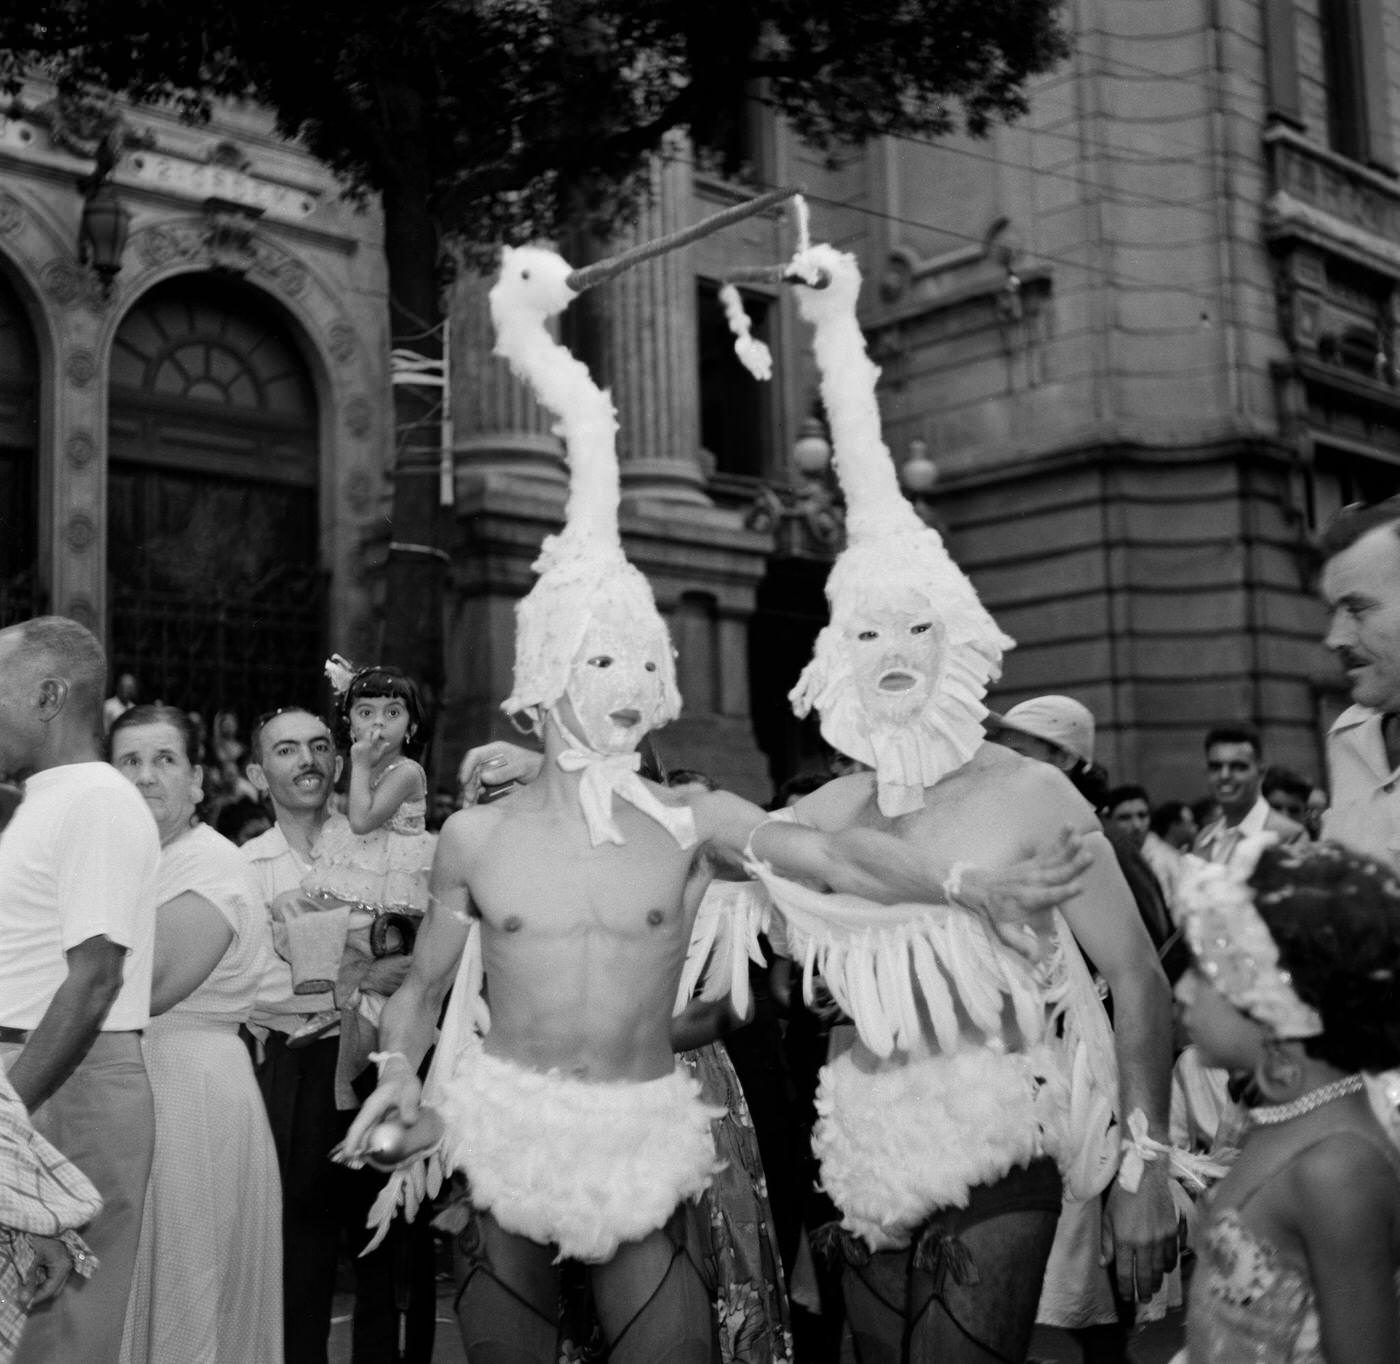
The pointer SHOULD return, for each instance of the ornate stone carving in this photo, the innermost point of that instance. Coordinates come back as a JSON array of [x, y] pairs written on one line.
[[804, 518], [359, 491], [80, 450], [358, 415], [80, 532], [63, 282], [79, 121], [291, 277], [341, 342], [161, 245], [229, 155], [81, 368], [81, 610], [11, 214], [230, 236], [226, 238]]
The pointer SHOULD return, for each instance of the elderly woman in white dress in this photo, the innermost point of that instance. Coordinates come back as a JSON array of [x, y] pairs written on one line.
[[208, 1281]]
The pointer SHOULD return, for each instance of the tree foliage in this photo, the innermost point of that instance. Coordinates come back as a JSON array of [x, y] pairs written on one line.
[[503, 109], [478, 122]]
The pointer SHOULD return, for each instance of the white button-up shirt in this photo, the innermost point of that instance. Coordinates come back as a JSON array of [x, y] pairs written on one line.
[[1365, 809]]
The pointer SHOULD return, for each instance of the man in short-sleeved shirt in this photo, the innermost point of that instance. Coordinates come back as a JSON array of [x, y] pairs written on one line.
[[324, 1206], [77, 931]]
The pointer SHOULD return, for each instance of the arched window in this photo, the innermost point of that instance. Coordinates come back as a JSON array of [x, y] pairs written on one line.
[[19, 440], [212, 501]]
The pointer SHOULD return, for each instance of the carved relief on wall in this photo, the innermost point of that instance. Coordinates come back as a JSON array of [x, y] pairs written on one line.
[[358, 415], [80, 532], [227, 239], [11, 214], [80, 450], [81, 368]]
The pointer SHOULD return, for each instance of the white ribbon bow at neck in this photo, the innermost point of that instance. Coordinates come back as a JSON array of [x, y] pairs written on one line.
[[606, 774]]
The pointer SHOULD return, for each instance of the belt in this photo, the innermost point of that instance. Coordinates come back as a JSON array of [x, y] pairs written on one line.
[[22, 1034]]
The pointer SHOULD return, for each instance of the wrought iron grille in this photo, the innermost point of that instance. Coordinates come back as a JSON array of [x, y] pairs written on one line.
[[21, 597], [247, 653]]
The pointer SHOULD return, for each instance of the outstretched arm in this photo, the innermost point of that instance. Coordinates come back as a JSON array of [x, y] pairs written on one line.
[[878, 866]]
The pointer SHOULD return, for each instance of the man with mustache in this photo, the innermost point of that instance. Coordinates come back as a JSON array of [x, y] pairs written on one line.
[[294, 765], [1361, 588]]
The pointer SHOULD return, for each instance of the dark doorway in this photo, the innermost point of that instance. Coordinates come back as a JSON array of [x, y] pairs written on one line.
[[20, 592], [216, 593]]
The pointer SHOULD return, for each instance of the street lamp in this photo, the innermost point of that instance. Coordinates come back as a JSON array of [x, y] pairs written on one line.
[[106, 221], [918, 473], [811, 451]]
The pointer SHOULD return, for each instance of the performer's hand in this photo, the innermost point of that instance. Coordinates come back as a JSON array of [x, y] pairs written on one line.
[[398, 1094], [1139, 1238], [1039, 883], [494, 765], [49, 1272]]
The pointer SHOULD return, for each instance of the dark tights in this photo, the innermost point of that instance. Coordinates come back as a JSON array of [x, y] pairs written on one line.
[[966, 1291], [651, 1299]]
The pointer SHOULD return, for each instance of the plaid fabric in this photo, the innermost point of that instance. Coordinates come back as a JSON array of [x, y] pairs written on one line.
[[41, 1192]]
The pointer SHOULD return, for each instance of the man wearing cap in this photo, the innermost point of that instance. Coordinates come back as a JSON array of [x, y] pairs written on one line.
[[1235, 777], [1052, 729]]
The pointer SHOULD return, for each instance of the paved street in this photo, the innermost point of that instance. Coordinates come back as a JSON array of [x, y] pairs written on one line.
[[1154, 1344]]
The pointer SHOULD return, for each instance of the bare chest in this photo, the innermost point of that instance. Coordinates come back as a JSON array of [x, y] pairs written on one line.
[[540, 876], [961, 821]]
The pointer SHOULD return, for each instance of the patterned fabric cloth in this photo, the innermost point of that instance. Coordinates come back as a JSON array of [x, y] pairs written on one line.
[[750, 1300], [41, 1193], [1247, 1305], [208, 1280]]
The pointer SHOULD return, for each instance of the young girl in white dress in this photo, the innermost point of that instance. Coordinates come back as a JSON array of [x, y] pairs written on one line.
[[1296, 984], [372, 868]]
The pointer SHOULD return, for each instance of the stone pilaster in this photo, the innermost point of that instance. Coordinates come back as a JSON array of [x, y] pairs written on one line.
[[653, 363]]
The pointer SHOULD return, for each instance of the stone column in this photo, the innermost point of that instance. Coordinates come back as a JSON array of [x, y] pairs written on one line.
[[653, 364]]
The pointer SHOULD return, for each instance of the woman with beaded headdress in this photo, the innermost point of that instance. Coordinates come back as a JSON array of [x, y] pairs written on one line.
[[1296, 986]]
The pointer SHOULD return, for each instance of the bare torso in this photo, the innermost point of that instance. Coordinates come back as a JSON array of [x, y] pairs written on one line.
[[582, 946], [993, 811]]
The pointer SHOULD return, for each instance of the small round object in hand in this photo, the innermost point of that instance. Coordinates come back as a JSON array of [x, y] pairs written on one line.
[[388, 1142]]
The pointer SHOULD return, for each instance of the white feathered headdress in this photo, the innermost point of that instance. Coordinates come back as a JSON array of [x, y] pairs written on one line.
[[582, 568], [889, 551]]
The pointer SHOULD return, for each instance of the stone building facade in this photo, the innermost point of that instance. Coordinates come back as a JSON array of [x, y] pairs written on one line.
[[193, 449], [1146, 336]]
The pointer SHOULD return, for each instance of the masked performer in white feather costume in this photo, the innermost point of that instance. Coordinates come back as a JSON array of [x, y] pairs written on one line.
[[980, 1084], [575, 904]]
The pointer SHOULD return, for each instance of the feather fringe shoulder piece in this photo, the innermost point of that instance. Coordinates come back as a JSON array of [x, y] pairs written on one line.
[[879, 961], [723, 941]]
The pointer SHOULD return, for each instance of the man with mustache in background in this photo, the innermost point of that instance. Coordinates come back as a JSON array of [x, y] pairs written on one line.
[[1361, 588]]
